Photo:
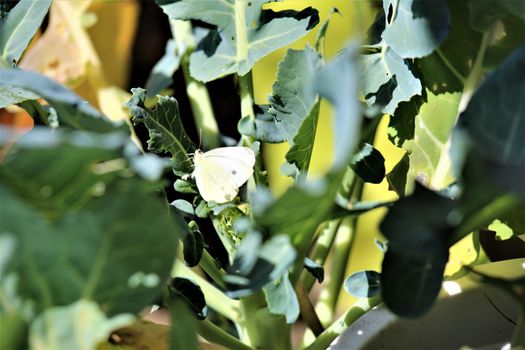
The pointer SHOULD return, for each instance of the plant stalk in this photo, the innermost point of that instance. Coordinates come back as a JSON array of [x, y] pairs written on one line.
[[215, 298], [197, 92], [359, 308], [217, 335]]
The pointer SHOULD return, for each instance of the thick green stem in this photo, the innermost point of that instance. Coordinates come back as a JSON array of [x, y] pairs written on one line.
[[217, 335], [197, 92], [343, 244], [361, 307], [320, 251], [215, 298], [260, 329], [246, 95], [307, 310], [209, 266]]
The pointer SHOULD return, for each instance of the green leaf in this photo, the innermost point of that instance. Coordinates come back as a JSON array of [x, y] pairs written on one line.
[[411, 283], [299, 155], [73, 111], [429, 158], [193, 247], [501, 138], [363, 284], [514, 219], [293, 97], [81, 325], [63, 170], [369, 164], [87, 253], [315, 269], [415, 28], [502, 231], [183, 206], [13, 333], [308, 203], [190, 293], [484, 13], [183, 327], [419, 235], [256, 264], [162, 73], [245, 33], [397, 177], [166, 132], [387, 80], [338, 82], [10, 95], [281, 298], [183, 186], [18, 28]]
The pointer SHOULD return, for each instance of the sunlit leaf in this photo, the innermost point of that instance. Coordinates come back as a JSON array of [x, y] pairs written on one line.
[[58, 54], [72, 110], [253, 268], [18, 27], [281, 298], [387, 80], [245, 33], [363, 284], [293, 96], [415, 28]]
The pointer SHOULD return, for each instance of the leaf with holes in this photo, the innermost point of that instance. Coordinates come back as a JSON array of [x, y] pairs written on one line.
[[415, 28], [293, 94], [166, 132], [363, 284], [245, 33], [387, 80], [369, 164]]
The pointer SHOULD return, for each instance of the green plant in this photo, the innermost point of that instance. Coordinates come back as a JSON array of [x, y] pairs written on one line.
[[88, 239]]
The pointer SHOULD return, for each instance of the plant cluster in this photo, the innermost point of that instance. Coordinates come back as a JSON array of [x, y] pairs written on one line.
[[89, 239]]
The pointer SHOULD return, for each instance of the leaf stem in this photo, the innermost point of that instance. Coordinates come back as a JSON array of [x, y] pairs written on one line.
[[215, 298], [449, 65], [246, 95], [359, 308], [217, 335], [320, 251], [259, 328], [343, 244], [307, 310], [209, 266]]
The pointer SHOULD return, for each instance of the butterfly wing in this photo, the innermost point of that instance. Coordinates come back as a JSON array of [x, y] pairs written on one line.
[[220, 172]]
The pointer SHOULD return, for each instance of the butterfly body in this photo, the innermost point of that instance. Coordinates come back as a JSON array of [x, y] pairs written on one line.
[[221, 171]]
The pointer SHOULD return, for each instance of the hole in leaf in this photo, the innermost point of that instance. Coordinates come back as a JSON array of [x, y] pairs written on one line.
[[390, 14]]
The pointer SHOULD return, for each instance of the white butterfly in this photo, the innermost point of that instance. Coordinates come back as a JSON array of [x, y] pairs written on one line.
[[220, 172]]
